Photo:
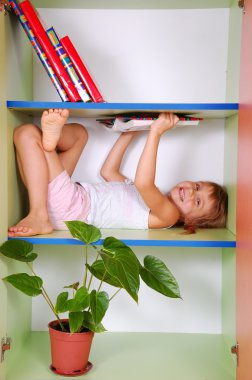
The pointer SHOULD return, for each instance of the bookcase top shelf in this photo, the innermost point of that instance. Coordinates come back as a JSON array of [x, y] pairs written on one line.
[[204, 110], [132, 4], [174, 237]]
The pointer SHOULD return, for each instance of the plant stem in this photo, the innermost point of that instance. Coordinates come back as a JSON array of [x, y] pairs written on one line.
[[46, 297], [102, 280], [100, 285], [86, 261], [44, 293], [48, 300], [115, 294], [91, 278]]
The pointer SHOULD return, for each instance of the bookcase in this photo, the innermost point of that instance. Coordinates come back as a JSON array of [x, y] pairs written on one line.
[[190, 352]]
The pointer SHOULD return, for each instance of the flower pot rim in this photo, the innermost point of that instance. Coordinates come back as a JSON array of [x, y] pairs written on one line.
[[56, 322]]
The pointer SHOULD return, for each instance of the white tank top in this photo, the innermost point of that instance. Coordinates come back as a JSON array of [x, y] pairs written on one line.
[[116, 205]]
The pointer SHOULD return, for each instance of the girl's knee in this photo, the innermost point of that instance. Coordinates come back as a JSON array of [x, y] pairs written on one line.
[[26, 131], [81, 132]]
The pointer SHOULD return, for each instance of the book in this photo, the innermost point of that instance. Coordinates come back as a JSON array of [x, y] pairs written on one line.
[[139, 123], [46, 45], [68, 65], [81, 70], [40, 52]]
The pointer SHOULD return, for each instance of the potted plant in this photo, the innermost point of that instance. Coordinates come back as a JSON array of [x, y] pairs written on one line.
[[114, 263]]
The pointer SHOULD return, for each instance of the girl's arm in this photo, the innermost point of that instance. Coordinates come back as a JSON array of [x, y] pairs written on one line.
[[110, 170], [161, 207]]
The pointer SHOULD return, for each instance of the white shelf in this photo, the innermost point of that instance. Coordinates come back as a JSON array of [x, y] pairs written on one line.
[[136, 356], [173, 237], [204, 110], [133, 4]]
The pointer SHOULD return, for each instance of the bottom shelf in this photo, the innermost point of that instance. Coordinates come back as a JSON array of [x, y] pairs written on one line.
[[135, 356]]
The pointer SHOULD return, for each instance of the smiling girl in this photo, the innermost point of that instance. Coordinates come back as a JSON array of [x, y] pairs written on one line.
[[201, 204], [46, 168]]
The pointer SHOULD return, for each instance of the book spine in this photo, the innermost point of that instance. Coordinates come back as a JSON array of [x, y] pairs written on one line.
[[46, 45], [40, 53], [81, 70], [68, 65]]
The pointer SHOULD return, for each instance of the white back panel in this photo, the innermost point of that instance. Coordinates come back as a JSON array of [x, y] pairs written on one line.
[[145, 55], [149, 56]]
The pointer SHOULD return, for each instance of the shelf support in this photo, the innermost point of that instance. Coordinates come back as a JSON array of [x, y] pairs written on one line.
[[235, 351], [241, 4], [5, 346]]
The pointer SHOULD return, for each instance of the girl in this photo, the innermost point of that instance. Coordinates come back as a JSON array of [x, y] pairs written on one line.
[[46, 168]]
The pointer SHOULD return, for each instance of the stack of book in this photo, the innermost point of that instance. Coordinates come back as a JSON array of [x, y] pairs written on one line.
[[140, 122], [58, 56]]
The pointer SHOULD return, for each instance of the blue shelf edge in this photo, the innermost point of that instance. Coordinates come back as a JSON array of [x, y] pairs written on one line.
[[136, 243], [124, 106]]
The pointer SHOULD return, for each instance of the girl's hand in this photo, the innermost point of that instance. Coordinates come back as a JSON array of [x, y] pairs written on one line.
[[165, 122]]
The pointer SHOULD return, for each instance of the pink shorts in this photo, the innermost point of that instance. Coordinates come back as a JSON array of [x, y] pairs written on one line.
[[67, 200]]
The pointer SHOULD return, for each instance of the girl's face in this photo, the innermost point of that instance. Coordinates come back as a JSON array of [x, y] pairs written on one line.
[[192, 199]]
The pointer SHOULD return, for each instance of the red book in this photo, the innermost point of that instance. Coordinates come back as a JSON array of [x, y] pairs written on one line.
[[81, 70], [46, 45]]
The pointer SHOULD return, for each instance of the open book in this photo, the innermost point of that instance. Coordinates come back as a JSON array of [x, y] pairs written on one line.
[[140, 123]]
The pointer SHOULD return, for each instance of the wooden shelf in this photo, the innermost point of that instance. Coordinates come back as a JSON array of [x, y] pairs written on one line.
[[173, 237], [204, 110], [136, 356]]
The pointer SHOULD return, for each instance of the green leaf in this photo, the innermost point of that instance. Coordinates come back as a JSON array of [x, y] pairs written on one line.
[[17, 249], [81, 300], [62, 303], [158, 277], [112, 245], [84, 232], [75, 321], [29, 285], [88, 322], [99, 303], [121, 262], [99, 271]]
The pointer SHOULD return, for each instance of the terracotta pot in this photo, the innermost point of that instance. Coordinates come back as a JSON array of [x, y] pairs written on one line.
[[70, 352]]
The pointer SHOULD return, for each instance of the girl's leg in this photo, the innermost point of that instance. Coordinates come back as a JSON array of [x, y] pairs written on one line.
[[38, 167], [34, 172], [69, 148]]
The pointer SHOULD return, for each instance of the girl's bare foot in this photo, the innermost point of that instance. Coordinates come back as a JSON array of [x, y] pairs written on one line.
[[29, 226], [52, 122]]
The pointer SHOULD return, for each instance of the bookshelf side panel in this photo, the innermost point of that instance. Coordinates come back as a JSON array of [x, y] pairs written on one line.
[[228, 299], [234, 47], [16, 83], [230, 169], [19, 59]]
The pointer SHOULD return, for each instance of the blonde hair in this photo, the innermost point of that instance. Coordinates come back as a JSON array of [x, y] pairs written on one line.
[[218, 214]]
